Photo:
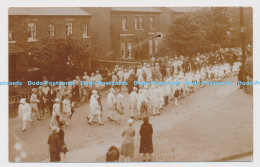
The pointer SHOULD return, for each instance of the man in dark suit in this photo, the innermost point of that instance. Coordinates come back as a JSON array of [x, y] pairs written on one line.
[[51, 96]]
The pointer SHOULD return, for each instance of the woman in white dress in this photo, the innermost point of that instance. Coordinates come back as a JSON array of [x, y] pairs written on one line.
[[155, 99], [24, 112], [133, 101], [140, 100]]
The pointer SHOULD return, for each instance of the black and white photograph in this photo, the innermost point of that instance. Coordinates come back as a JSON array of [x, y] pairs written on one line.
[[130, 84]]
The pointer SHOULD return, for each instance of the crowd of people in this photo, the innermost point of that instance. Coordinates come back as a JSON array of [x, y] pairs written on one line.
[[59, 102]]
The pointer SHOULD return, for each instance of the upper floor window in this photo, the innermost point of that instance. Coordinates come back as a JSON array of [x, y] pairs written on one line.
[[69, 28], [85, 31], [124, 23], [139, 22], [136, 22], [152, 23], [51, 30], [31, 31]]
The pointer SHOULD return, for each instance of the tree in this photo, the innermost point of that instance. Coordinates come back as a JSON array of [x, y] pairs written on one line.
[[55, 56], [185, 35]]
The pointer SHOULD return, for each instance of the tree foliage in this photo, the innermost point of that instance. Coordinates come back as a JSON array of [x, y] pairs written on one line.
[[199, 31], [58, 54]]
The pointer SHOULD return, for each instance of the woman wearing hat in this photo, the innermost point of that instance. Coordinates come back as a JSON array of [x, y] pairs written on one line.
[[66, 109], [111, 101], [127, 147], [155, 99], [34, 106], [55, 145], [146, 142], [24, 112], [56, 112], [133, 101], [95, 109]]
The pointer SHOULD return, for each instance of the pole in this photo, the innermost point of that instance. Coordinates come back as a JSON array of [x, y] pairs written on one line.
[[242, 36]]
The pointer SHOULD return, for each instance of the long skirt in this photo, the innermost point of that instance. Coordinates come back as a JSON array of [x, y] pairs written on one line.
[[127, 149]]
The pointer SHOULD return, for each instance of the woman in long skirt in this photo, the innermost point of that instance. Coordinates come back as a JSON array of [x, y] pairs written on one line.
[[146, 142], [127, 148]]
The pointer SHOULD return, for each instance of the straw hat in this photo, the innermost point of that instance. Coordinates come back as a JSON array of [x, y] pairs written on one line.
[[94, 92], [57, 100], [120, 96], [23, 100]]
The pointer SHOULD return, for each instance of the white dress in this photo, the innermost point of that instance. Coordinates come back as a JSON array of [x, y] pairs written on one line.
[[133, 99], [24, 111], [94, 106]]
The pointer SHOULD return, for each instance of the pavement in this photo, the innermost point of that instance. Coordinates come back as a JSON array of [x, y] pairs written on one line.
[[215, 123]]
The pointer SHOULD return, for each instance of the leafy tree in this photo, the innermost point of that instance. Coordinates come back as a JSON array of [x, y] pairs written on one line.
[[185, 35], [56, 56]]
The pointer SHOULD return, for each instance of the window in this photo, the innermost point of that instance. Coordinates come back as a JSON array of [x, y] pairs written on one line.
[[69, 28], [31, 31], [123, 49], [150, 46], [51, 30], [136, 22], [11, 33], [141, 22], [124, 23], [85, 31], [156, 45], [152, 23], [129, 50]]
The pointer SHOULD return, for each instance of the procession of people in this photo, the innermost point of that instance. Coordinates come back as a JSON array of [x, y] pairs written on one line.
[[145, 100]]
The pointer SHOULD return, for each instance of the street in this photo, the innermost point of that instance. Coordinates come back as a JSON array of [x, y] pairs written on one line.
[[210, 124]]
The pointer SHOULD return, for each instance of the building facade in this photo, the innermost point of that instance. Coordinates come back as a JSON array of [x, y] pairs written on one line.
[[27, 26], [133, 33]]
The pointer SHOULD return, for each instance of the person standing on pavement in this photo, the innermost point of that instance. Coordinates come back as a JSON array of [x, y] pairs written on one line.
[[55, 145], [61, 134], [24, 112], [127, 147], [146, 143]]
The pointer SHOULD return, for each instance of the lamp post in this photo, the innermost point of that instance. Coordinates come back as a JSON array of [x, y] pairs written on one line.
[[242, 37]]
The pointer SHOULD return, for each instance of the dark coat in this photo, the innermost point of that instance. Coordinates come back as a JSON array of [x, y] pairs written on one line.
[[55, 147], [146, 143]]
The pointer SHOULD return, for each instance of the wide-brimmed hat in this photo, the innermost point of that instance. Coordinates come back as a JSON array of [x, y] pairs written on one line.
[[94, 92], [23, 100], [34, 90], [120, 96], [135, 88], [57, 100], [112, 90]]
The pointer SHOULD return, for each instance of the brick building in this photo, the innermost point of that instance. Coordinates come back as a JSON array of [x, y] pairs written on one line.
[[133, 31], [27, 26]]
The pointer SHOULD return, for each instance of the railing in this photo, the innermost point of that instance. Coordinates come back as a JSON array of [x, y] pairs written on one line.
[[14, 102]]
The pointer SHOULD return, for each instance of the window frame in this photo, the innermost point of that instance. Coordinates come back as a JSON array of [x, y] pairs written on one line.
[[85, 31], [51, 31], [32, 30], [69, 29], [124, 23], [152, 24]]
